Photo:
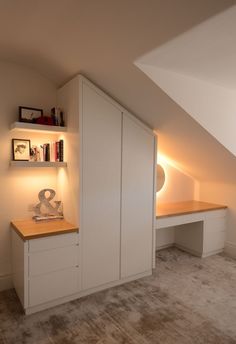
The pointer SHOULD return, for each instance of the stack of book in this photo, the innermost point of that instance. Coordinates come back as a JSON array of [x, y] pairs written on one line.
[[53, 151]]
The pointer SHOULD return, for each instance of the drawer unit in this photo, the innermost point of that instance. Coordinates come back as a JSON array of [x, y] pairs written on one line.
[[41, 262], [51, 286], [45, 269], [54, 241], [214, 243], [214, 233]]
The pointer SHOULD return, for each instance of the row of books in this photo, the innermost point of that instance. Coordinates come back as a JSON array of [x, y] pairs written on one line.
[[53, 151]]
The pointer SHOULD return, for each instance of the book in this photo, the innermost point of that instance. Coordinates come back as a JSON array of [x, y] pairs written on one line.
[[61, 150]]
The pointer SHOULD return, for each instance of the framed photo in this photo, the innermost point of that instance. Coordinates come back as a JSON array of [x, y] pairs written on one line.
[[21, 149], [29, 115]]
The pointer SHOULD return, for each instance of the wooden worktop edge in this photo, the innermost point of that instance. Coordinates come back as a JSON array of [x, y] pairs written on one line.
[[191, 212], [43, 234]]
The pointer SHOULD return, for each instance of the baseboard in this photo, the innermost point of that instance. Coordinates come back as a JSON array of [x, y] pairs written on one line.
[[158, 248], [230, 249], [188, 250], [6, 282]]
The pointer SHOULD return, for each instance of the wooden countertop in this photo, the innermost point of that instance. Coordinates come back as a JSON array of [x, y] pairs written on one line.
[[30, 229], [182, 208]]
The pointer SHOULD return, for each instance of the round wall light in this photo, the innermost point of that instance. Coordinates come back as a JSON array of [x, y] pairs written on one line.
[[160, 177]]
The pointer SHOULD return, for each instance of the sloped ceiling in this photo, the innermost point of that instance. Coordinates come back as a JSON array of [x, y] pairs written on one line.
[[197, 70], [102, 39]]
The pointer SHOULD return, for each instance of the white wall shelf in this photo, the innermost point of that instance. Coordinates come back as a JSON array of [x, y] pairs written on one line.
[[49, 129], [38, 163]]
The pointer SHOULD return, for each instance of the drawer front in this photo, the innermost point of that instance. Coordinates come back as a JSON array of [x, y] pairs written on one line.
[[48, 287], [41, 262], [216, 213], [215, 224], [54, 241], [213, 242]]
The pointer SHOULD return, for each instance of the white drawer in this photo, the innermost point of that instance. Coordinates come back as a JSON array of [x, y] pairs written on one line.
[[215, 224], [54, 241], [214, 242], [48, 287], [52, 260], [216, 213]]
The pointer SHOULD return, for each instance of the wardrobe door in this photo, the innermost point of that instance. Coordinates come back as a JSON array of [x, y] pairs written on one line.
[[137, 198], [101, 188]]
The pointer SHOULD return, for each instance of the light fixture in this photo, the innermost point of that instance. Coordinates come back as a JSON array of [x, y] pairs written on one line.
[[160, 177]]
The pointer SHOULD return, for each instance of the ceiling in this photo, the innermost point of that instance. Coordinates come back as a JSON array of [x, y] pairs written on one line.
[[102, 39], [206, 51]]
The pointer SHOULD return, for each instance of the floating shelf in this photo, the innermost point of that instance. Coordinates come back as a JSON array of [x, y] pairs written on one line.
[[38, 164], [50, 129]]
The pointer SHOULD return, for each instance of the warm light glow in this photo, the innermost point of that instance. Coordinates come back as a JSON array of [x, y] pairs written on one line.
[[173, 174], [164, 160], [162, 190]]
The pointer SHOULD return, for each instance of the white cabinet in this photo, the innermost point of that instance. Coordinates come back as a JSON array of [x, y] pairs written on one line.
[[101, 185], [137, 198], [107, 191], [45, 269], [110, 175], [200, 233]]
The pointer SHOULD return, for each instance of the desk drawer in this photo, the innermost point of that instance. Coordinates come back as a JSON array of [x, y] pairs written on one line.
[[214, 242], [48, 287], [41, 262], [54, 241]]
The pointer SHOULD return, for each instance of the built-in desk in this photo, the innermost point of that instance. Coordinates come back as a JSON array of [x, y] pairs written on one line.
[[199, 227]]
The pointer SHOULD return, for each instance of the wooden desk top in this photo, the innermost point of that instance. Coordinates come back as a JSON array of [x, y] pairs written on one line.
[[30, 229], [182, 208]]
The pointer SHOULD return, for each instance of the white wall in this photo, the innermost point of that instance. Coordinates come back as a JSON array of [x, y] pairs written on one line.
[[19, 187], [211, 105], [197, 70]]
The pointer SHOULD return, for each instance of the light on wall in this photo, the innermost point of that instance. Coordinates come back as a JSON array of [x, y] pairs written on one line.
[[160, 177]]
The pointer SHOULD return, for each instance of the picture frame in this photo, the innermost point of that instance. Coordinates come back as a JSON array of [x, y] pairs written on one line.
[[20, 150], [29, 115]]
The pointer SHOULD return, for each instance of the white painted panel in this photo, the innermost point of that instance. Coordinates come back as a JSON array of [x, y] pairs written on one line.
[[53, 241], [137, 199], [20, 267], [215, 224], [190, 237], [178, 220], [101, 184], [213, 242], [48, 287], [215, 213], [188, 218], [165, 237], [52, 260]]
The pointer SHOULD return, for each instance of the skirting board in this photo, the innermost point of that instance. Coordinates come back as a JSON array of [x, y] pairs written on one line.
[[230, 249], [159, 248], [6, 282]]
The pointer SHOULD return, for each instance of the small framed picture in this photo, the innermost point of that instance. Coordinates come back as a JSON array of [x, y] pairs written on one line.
[[21, 149], [29, 115]]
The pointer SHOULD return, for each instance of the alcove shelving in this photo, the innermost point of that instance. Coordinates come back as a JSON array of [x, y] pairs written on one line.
[[17, 163], [32, 127], [37, 128]]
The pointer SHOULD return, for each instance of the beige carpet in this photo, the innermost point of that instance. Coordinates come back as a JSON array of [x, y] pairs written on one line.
[[187, 300]]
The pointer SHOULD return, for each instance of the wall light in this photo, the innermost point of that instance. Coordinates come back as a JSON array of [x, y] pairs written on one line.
[[160, 177]]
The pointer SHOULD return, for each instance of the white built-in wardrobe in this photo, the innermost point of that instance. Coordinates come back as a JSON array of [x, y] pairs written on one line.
[[109, 186]]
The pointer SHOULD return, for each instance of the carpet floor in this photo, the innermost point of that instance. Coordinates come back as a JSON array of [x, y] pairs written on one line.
[[187, 300]]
